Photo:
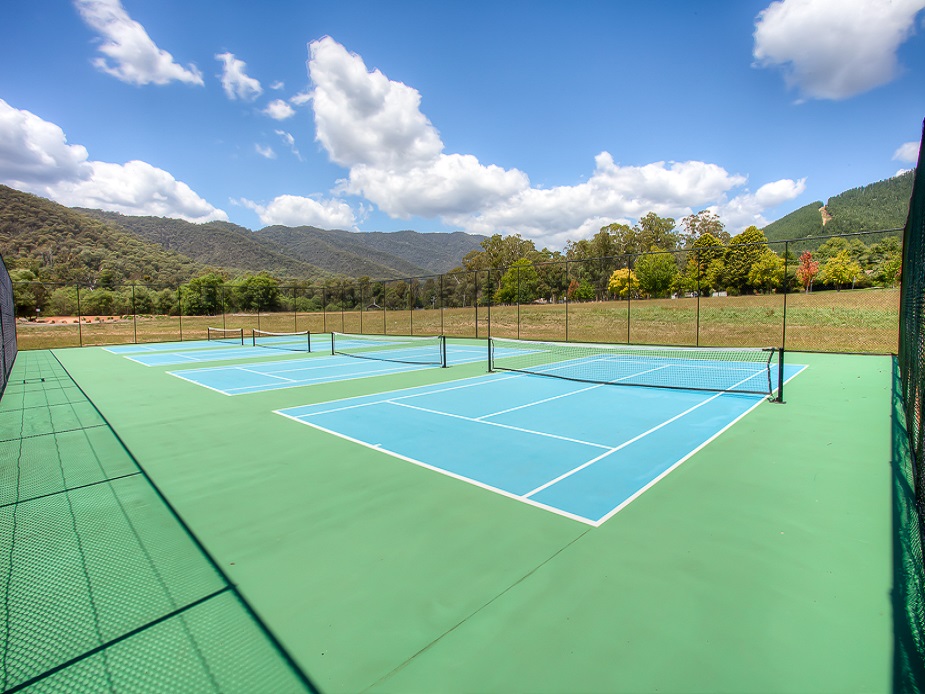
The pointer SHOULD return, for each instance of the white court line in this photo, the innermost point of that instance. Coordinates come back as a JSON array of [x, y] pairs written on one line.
[[483, 380], [261, 373], [537, 402], [652, 483], [636, 438], [498, 424], [190, 380], [656, 480], [175, 354], [442, 471], [333, 378], [574, 392], [632, 440]]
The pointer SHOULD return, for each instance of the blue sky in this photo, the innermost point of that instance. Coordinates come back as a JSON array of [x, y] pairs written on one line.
[[547, 119]]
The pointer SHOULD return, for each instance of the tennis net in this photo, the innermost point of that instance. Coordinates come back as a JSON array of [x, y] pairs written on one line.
[[290, 342], [428, 351], [232, 335], [689, 368]]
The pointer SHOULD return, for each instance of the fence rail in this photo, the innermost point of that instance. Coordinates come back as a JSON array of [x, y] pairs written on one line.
[[661, 297]]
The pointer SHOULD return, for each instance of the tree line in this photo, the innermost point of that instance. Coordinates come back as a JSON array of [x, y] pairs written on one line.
[[654, 258], [657, 258]]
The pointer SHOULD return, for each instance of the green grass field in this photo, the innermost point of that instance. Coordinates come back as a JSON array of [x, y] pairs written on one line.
[[861, 321]]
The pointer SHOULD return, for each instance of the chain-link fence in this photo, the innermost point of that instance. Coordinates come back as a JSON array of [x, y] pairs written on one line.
[[8, 342], [828, 294], [909, 449]]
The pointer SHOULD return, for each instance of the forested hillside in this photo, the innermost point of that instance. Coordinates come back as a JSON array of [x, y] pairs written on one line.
[[302, 252], [217, 244], [881, 205], [58, 244]]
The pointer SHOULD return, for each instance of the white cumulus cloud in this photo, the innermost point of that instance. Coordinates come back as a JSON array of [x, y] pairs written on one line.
[[301, 98], [834, 49], [238, 85], [746, 209], [279, 110], [395, 158], [130, 54], [35, 157], [265, 152], [363, 118], [294, 210], [907, 152]]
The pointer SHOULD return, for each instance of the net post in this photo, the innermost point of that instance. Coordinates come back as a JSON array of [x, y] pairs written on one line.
[[253, 337], [332, 344], [443, 351], [491, 366], [780, 376], [308, 337]]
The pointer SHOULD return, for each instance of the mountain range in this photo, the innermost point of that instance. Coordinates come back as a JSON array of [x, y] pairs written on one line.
[[60, 244]]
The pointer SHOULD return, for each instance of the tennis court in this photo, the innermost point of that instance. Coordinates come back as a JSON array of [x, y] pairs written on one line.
[[585, 466], [355, 358], [444, 528]]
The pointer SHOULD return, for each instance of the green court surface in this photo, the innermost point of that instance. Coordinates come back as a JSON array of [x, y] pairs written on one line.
[[761, 564]]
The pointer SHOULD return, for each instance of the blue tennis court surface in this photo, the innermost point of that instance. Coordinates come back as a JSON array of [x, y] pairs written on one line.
[[223, 353], [580, 450], [147, 348], [318, 368]]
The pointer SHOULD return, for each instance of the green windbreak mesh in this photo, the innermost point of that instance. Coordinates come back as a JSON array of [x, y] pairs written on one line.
[[909, 449], [103, 588], [8, 345]]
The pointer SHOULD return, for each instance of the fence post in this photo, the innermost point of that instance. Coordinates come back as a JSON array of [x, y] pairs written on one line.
[[180, 308], [629, 293], [567, 285], [442, 330], [488, 281], [783, 337], [134, 317], [697, 263], [475, 301], [80, 332], [518, 303]]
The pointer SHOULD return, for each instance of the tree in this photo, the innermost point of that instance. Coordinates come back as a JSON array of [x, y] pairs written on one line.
[[744, 250], [203, 295], [656, 273], [840, 269], [653, 231], [704, 222], [622, 282], [26, 291], [888, 272], [705, 265], [518, 284], [807, 270], [580, 290], [259, 292], [767, 272], [499, 251]]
